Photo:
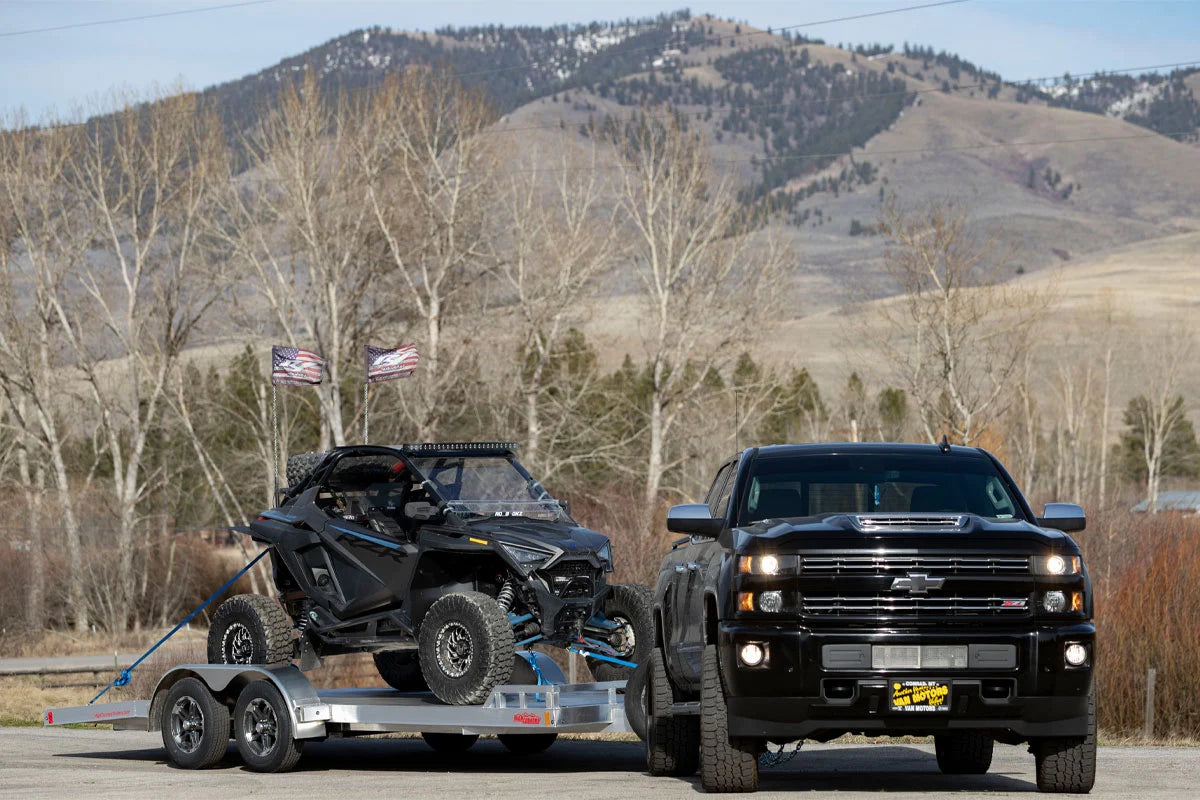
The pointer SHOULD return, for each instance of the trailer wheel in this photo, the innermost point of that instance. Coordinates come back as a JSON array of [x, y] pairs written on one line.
[[964, 753], [527, 744], [672, 742], [401, 671], [726, 765], [628, 604], [1068, 765], [250, 629], [450, 743], [466, 648], [195, 725], [262, 728]]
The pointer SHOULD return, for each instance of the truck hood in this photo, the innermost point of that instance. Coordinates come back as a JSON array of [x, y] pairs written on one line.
[[840, 532]]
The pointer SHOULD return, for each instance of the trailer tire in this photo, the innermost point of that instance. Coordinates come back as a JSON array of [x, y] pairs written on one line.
[[195, 725], [450, 744], [300, 466], [964, 753], [672, 742], [629, 604], [262, 728], [726, 765], [1068, 765], [527, 744], [250, 629], [466, 648], [401, 670], [635, 700]]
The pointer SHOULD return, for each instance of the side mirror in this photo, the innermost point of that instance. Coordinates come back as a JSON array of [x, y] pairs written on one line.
[[1065, 517], [694, 519]]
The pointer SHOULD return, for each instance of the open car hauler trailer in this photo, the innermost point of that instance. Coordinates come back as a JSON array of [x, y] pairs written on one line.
[[270, 712]]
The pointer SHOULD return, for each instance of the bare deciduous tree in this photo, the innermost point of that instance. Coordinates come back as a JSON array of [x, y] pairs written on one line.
[[1164, 357]]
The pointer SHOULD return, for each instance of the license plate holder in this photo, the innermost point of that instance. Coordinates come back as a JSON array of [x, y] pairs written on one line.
[[923, 696]]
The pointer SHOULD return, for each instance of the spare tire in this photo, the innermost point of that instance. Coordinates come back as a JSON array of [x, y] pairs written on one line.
[[250, 629], [300, 466]]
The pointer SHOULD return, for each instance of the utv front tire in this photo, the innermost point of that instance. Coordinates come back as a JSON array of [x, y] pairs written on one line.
[[401, 670], [1068, 765], [250, 629], [628, 604], [466, 648]]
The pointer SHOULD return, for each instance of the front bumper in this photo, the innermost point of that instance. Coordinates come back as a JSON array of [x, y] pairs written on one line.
[[796, 696]]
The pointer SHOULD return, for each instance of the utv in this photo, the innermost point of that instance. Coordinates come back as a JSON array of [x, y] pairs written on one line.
[[441, 560]]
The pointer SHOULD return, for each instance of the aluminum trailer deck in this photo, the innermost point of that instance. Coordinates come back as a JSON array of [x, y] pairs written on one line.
[[199, 707]]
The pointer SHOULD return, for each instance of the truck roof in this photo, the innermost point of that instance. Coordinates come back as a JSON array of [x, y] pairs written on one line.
[[864, 448]]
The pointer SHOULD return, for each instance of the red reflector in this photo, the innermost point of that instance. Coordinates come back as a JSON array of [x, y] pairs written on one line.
[[262, 519], [49, 717]]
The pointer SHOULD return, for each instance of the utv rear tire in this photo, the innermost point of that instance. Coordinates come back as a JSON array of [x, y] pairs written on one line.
[[401, 670], [628, 604], [725, 765], [250, 629], [1068, 765], [301, 466], [672, 742], [466, 648], [964, 753]]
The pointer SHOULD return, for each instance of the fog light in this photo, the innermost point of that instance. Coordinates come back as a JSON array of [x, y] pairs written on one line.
[[752, 654], [771, 602], [1076, 654], [1054, 602]]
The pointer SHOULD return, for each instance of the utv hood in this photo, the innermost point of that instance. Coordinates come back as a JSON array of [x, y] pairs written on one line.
[[571, 540]]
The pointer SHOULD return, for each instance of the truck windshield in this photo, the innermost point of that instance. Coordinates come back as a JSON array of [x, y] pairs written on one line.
[[486, 486], [806, 486]]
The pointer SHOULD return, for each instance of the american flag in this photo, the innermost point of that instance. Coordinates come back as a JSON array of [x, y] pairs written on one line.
[[291, 366], [387, 364]]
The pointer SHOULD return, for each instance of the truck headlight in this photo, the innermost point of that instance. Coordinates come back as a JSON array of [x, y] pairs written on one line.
[[771, 602], [1057, 565], [1054, 602], [758, 565]]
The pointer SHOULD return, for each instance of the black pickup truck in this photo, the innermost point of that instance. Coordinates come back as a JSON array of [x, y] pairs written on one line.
[[881, 589]]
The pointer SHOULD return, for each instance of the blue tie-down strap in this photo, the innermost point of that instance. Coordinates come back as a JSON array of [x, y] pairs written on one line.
[[126, 674]]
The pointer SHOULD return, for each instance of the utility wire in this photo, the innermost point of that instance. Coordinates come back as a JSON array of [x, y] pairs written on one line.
[[138, 18]]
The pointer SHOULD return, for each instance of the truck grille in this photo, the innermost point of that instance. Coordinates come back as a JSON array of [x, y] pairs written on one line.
[[889, 606], [572, 578], [936, 565]]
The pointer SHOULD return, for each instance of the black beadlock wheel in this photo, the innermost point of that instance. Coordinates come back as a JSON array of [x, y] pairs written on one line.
[[629, 605], [672, 742], [965, 753], [262, 728], [450, 743], [466, 648], [1068, 765], [401, 670], [527, 744], [195, 725], [725, 765], [250, 629]]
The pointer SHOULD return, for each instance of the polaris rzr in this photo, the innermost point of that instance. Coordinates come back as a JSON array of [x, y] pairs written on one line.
[[443, 561]]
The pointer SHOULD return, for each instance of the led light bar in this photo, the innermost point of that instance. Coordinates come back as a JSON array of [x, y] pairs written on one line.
[[457, 446]]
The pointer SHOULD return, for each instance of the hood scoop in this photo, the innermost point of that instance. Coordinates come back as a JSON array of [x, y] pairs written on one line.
[[910, 522]]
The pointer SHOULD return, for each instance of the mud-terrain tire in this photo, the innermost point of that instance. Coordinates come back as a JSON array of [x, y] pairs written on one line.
[[250, 629], [262, 729], [1068, 765], [300, 466], [725, 765], [527, 744], [963, 753], [450, 744], [672, 742], [401, 670], [635, 700], [195, 725], [466, 648], [629, 604]]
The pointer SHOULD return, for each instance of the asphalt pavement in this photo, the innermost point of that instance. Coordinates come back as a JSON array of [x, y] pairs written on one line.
[[102, 763]]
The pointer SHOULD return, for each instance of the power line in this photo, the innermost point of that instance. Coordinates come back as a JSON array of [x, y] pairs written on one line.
[[138, 18]]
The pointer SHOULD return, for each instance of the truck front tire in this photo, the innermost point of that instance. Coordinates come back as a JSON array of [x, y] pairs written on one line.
[[725, 765], [1068, 765], [964, 753]]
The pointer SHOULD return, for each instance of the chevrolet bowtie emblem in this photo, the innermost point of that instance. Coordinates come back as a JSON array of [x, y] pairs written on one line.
[[918, 583]]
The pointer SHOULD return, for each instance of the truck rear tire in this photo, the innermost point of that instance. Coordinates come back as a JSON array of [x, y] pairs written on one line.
[[629, 605], [401, 670], [725, 765], [250, 629], [672, 742], [1068, 765], [195, 725], [262, 728], [466, 648], [635, 700], [964, 753], [527, 744]]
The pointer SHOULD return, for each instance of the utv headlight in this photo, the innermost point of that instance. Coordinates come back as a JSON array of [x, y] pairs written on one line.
[[527, 558], [1057, 565], [606, 556]]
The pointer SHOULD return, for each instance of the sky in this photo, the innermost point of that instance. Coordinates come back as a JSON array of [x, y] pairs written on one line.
[[57, 73]]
